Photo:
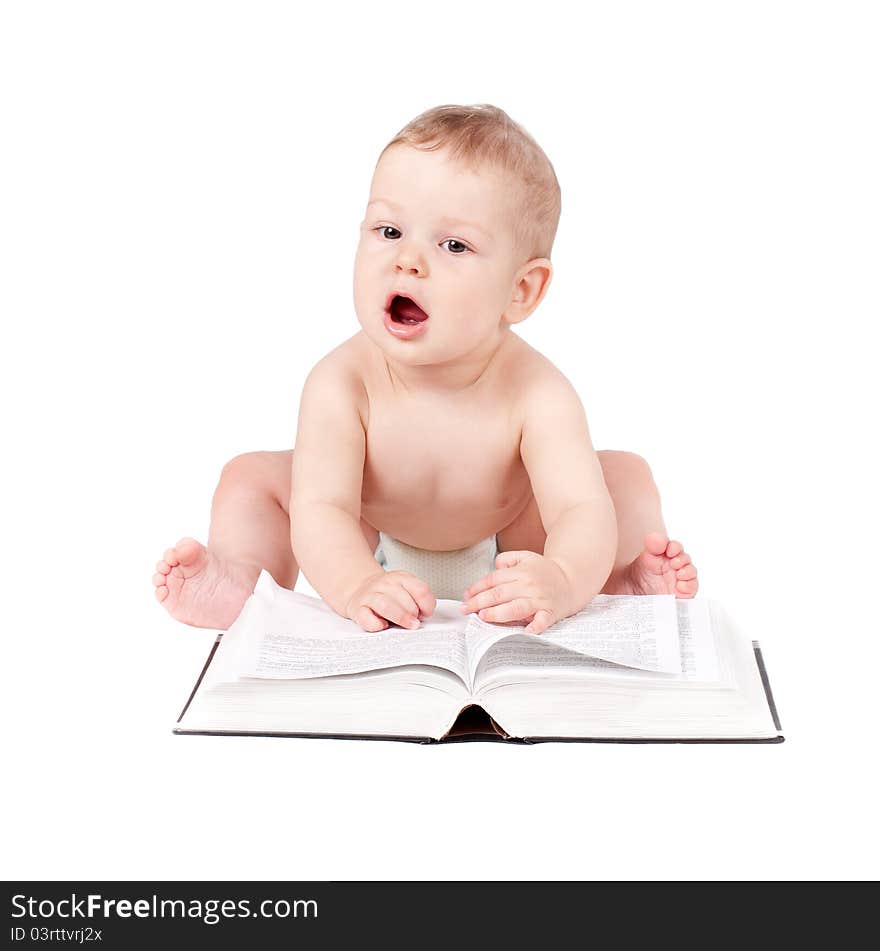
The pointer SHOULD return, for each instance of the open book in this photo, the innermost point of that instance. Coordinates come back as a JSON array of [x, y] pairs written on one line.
[[624, 668]]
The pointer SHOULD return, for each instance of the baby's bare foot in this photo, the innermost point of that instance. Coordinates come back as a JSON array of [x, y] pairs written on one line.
[[199, 588], [662, 568]]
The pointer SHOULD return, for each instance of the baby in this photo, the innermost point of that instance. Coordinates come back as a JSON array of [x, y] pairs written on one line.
[[437, 454]]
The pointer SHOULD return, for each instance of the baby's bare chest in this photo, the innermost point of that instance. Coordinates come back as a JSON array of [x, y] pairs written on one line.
[[428, 465]]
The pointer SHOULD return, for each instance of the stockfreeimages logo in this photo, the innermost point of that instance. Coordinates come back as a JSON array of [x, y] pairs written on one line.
[[210, 911]]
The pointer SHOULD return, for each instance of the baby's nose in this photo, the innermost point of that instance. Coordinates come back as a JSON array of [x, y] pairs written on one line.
[[408, 260]]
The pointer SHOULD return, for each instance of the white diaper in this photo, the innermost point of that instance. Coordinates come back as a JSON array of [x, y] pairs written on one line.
[[448, 573]]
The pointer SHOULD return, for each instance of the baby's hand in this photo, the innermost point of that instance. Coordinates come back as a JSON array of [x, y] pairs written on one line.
[[390, 596], [527, 587]]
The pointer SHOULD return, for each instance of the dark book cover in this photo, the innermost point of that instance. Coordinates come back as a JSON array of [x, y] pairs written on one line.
[[474, 725]]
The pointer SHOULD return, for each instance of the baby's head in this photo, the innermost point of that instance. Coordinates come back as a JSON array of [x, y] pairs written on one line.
[[462, 214]]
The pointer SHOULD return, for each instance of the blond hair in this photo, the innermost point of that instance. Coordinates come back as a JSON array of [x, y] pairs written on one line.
[[481, 135]]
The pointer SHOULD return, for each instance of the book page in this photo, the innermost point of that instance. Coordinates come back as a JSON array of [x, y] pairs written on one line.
[[639, 632], [296, 644], [699, 662], [525, 653], [520, 653], [480, 636]]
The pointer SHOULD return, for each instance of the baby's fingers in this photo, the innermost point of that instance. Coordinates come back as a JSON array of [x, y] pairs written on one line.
[[393, 608], [540, 622], [489, 598], [489, 581], [509, 611], [369, 621], [421, 593]]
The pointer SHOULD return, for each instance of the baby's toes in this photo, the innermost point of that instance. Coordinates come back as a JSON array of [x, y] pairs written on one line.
[[686, 589], [688, 573], [161, 587], [162, 567], [680, 560], [673, 549], [171, 557]]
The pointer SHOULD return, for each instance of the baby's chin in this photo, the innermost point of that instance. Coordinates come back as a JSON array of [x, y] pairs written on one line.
[[431, 348], [410, 352], [403, 347]]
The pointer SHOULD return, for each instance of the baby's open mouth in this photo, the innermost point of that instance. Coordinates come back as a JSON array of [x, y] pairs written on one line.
[[403, 310]]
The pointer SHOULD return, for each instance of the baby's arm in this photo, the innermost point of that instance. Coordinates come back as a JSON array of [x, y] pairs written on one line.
[[569, 487], [576, 510], [325, 508]]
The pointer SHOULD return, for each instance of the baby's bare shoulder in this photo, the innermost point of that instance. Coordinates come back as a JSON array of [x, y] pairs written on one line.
[[337, 376], [342, 360], [531, 377]]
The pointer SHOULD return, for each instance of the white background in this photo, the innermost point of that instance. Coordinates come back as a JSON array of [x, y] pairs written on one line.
[[182, 186]]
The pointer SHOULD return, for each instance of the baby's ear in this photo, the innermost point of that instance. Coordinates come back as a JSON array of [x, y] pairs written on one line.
[[531, 285]]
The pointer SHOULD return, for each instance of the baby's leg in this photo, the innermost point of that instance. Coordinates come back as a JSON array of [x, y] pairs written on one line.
[[647, 562], [250, 523], [636, 502], [250, 531]]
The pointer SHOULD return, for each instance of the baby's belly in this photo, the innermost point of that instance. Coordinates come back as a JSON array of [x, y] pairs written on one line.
[[444, 520]]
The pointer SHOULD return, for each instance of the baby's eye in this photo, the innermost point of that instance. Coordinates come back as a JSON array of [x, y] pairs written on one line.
[[460, 246]]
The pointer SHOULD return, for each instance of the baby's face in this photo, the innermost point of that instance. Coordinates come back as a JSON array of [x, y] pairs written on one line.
[[442, 235]]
